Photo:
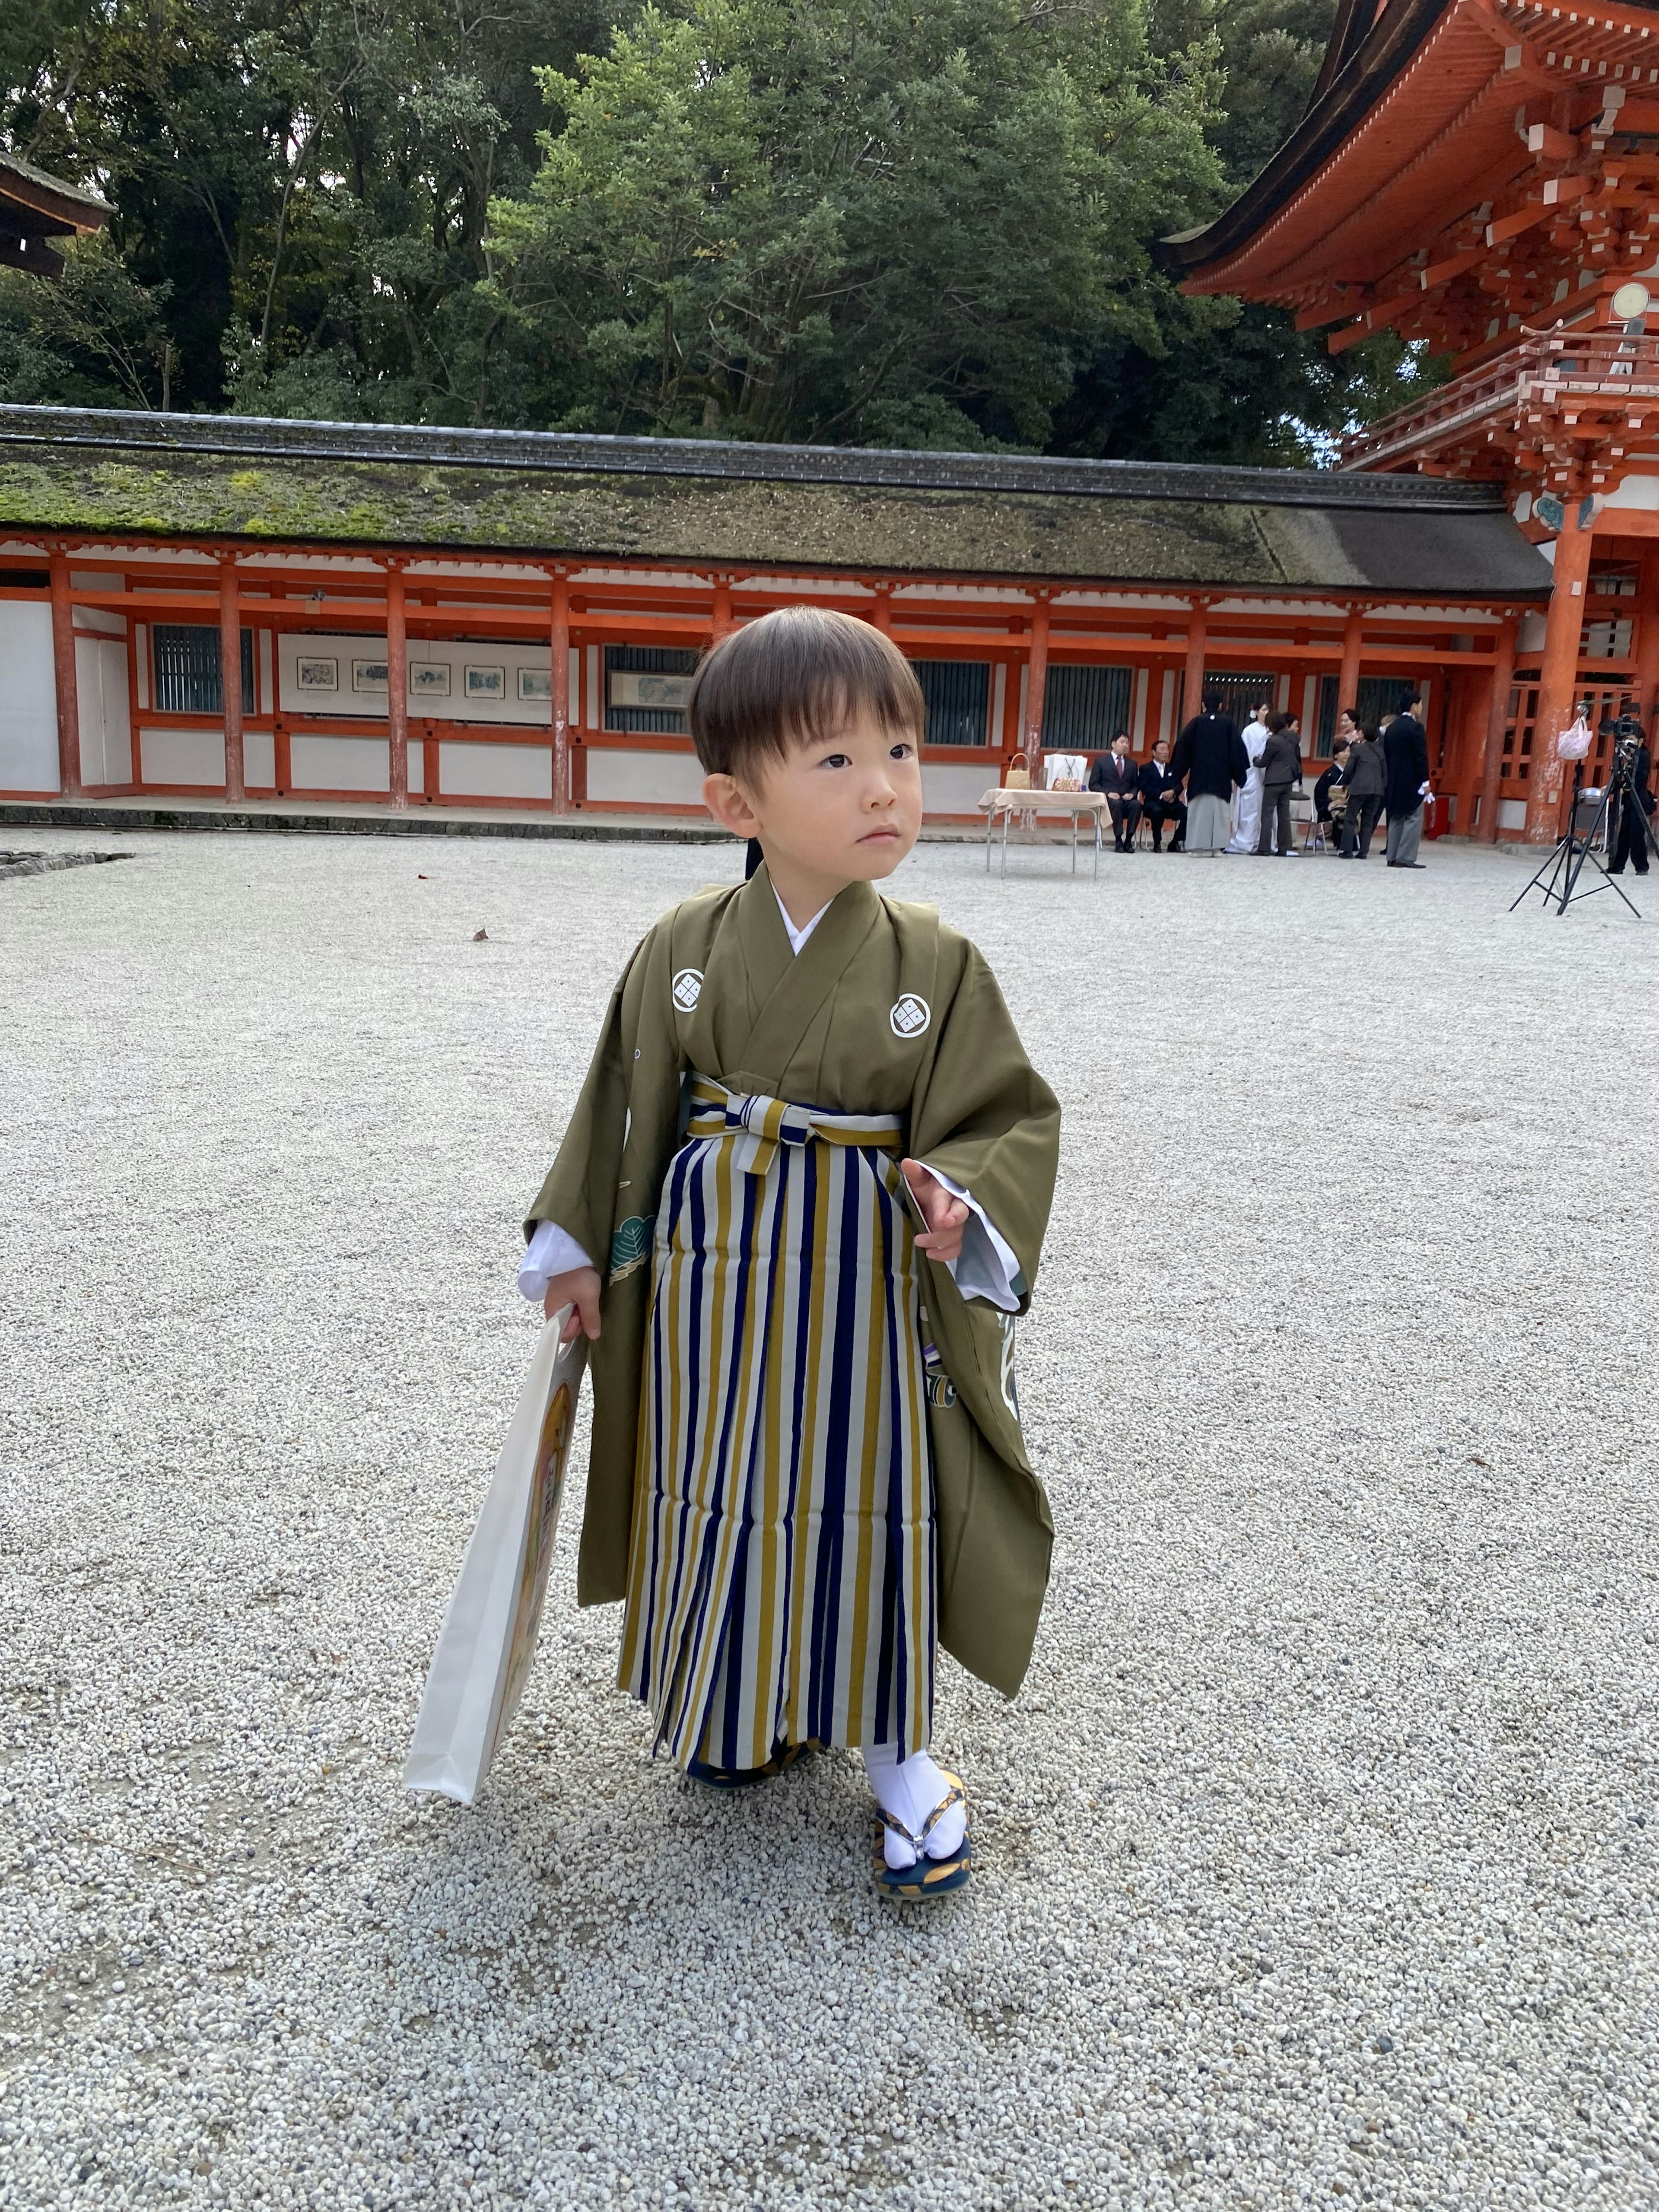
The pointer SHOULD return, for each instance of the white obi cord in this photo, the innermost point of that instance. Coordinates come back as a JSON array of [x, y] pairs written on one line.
[[986, 1268]]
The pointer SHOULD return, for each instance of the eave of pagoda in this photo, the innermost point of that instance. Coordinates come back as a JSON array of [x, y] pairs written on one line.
[[1473, 168]]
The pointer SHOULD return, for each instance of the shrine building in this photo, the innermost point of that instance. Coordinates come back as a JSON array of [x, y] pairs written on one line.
[[478, 618], [1483, 175]]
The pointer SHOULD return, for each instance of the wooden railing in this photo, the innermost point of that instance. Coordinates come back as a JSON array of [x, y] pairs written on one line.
[[1554, 370]]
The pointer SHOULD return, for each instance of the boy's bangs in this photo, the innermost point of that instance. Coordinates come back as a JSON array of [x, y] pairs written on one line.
[[798, 676]]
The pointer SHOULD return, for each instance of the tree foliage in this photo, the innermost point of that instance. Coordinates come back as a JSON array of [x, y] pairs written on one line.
[[923, 222]]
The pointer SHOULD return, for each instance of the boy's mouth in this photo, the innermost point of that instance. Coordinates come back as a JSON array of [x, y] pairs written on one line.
[[871, 836]]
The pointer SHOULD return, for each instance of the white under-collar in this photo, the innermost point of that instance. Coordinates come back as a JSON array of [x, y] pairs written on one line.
[[798, 937]]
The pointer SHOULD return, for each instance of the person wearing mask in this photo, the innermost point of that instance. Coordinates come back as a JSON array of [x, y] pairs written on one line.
[[1364, 781], [1330, 798], [1406, 786], [1631, 839], [1210, 764], [1246, 812], [1281, 768], [1115, 774], [1160, 798]]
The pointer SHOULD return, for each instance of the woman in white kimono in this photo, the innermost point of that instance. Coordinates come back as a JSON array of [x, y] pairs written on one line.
[[1247, 800]]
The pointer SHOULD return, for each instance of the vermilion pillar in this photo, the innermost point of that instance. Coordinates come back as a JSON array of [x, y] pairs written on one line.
[[63, 663], [397, 688], [559, 638], [722, 623], [881, 615], [1348, 683], [230, 678], [1558, 682], [1646, 679], [1498, 716], [1198, 638], [1035, 684]]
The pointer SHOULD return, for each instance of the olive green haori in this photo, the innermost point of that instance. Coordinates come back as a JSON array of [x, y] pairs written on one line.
[[885, 1011]]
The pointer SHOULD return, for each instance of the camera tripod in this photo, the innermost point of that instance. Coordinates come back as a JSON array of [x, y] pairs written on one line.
[[1561, 872]]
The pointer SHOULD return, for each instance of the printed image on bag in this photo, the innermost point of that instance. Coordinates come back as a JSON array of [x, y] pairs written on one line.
[[546, 1495], [489, 1636]]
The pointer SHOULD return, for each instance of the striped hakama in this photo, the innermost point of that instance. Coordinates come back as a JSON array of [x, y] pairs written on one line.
[[780, 1574]]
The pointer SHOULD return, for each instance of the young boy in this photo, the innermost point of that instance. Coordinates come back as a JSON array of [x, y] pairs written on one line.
[[806, 1464]]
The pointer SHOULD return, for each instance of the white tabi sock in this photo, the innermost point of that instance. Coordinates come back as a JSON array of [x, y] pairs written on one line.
[[910, 1792]]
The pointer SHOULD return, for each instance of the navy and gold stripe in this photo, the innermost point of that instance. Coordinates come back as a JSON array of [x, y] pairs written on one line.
[[780, 1583]]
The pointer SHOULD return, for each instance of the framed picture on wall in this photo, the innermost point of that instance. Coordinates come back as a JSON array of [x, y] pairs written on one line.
[[486, 683], [368, 675], [535, 683], [312, 673], [429, 680]]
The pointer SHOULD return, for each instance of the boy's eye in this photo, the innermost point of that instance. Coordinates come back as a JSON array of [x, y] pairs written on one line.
[[905, 751], [834, 760]]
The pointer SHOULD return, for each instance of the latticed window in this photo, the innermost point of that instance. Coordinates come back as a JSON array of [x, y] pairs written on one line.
[[647, 687], [188, 677], [1375, 696], [958, 698], [1241, 693], [1084, 709]]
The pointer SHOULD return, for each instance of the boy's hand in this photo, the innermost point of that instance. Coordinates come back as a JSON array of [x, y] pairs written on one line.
[[947, 1216], [579, 1289]]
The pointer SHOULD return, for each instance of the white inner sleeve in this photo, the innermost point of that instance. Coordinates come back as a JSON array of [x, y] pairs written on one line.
[[986, 1269], [549, 1251]]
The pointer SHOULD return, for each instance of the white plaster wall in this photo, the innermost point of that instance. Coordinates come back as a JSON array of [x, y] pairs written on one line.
[[100, 691], [29, 699], [956, 790], [340, 764], [478, 771], [1511, 813], [184, 756], [644, 779], [259, 760]]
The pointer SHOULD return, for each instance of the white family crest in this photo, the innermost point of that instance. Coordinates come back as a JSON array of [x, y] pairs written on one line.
[[910, 1016], [687, 989]]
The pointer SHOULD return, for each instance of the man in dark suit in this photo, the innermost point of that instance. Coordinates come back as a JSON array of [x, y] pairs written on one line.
[[1115, 774], [1160, 798], [1633, 834], [1211, 762], [1405, 759]]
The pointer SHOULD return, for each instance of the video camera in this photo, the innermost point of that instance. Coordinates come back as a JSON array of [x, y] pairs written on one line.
[[1625, 730]]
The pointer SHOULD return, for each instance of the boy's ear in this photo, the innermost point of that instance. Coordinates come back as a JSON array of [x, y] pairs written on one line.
[[724, 797]]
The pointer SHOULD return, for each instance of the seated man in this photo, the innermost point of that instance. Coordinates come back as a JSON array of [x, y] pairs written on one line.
[[1115, 773], [1330, 799], [1161, 799]]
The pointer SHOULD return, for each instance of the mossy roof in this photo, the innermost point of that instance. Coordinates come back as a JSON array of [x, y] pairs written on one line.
[[683, 503]]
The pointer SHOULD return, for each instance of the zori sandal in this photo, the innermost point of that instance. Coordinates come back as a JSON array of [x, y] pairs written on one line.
[[927, 1877], [741, 1778]]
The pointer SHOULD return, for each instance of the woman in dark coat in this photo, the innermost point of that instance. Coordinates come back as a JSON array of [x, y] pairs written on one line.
[[1365, 783]]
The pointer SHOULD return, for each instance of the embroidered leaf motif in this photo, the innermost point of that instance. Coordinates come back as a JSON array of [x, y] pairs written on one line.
[[630, 1245]]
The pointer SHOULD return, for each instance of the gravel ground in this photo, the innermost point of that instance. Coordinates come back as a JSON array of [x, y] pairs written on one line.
[[1316, 1859]]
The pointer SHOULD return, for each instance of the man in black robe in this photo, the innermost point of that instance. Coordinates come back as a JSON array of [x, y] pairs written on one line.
[[1210, 761], [1406, 759]]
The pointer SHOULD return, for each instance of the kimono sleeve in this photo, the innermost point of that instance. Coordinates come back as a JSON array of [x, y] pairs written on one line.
[[988, 1120], [580, 1192]]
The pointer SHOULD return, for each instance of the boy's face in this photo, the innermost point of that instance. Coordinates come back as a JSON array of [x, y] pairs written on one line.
[[838, 811]]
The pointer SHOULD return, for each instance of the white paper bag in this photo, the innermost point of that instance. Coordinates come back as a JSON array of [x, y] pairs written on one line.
[[488, 1637]]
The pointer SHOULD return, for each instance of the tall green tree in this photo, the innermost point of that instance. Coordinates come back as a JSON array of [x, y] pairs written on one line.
[[905, 220]]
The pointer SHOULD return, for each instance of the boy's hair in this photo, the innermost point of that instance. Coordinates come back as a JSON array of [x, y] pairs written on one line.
[[798, 675]]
